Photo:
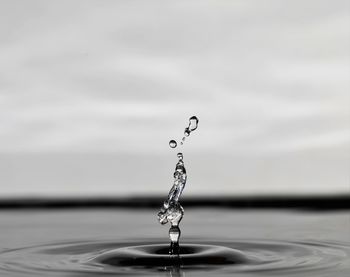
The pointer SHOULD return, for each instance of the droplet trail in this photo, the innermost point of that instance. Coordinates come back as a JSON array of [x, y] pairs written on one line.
[[193, 125]]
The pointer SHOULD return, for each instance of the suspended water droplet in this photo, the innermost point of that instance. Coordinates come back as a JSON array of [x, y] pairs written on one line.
[[193, 123], [187, 132], [172, 143], [180, 156]]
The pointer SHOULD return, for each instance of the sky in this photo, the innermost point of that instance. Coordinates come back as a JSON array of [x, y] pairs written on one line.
[[91, 92]]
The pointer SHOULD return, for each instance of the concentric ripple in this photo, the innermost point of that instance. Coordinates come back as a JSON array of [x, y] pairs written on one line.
[[222, 257], [157, 255]]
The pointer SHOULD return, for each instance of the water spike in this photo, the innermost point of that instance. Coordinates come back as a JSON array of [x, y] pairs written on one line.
[[172, 211]]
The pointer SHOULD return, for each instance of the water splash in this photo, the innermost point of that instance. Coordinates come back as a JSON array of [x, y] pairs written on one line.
[[172, 211]]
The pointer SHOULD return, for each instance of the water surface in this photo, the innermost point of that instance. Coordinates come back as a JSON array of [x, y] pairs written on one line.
[[90, 242]]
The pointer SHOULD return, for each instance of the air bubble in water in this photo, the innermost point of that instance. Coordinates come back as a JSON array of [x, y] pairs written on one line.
[[172, 143]]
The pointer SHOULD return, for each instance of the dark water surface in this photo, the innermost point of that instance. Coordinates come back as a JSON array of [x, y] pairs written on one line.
[[215, 242]]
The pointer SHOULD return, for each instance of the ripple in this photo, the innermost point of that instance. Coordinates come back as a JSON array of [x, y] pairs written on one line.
[[157, 255], [146, 257]]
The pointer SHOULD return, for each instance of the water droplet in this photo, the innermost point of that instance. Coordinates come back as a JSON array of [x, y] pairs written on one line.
[[193, 123], [172, 143], [180, 156], [187, 132]]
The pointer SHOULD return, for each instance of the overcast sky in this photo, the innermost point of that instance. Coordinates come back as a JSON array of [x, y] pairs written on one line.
[[92, 91]]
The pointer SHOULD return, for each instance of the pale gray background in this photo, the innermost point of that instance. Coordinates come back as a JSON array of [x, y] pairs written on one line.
[[92, 91]]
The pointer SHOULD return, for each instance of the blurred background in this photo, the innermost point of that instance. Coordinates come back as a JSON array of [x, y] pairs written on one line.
[[91, 92]]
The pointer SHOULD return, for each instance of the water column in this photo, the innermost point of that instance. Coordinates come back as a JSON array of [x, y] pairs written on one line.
[[172, 211]]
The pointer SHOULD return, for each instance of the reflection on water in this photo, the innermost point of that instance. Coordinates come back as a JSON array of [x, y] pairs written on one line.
[[108, 242]]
